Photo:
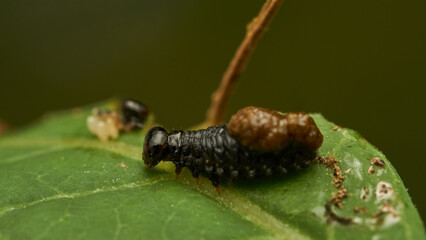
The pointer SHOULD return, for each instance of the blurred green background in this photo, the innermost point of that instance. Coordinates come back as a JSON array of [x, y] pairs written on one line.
[[362, 64]]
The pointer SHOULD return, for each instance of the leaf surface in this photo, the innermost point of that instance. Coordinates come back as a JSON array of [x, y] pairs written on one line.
[[57, 181]]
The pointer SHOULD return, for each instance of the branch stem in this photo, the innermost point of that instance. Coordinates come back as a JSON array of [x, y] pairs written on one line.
[[255, 29]]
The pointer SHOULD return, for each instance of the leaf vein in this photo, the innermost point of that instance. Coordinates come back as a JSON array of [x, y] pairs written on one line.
[[126, 186]]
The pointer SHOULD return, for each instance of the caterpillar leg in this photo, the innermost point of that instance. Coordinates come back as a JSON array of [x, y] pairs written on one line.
[[196, 174], [215, 182], [177, 172]]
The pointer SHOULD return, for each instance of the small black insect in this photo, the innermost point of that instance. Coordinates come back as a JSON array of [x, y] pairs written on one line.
[[134, 113], [256, 142]]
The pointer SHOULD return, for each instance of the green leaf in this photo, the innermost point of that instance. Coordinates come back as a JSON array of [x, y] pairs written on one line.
[[57, 181]]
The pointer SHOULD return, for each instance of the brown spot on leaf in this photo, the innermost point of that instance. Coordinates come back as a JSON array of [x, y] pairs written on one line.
[[386, 208], [377, 161], [371, 170], [336, 198], [360, 209], [334, 217], [364, 193], [331, 162], [384, 190], [379, 220]]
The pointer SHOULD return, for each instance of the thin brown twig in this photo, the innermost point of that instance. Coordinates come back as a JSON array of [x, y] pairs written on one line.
[[255, 29]]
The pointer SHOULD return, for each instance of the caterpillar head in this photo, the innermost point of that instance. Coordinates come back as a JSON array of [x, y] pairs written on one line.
[[155, 147], [134, 113]]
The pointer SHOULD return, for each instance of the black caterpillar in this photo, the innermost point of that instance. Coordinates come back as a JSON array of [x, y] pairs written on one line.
[[134, 114], [256, 142]]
